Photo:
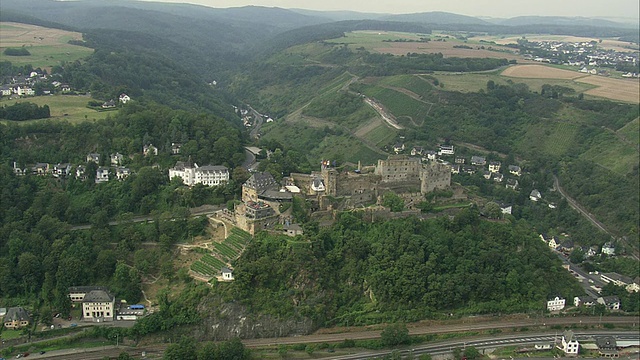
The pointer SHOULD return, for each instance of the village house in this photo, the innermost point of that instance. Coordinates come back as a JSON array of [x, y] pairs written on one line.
[[506, 209], [478, 160], [109, 104], [227, 274], [102, 175], [607, 346], [446, 150], [555, 304], [149, 150], [431, 155], [515, 170], [416, 151], [497, 177], [511, 184], [40, 169], [98, 306], [535, 195], [61, 170], [122, 172], [124, 98], [554, 243], [570, 345], [77, 293], [93, 157], [608, 249], [494, 166], [81, 172], [611, 302], [175, 148], [16, 318], [398, 148], [583, 301], [116, 159], [459, 160]]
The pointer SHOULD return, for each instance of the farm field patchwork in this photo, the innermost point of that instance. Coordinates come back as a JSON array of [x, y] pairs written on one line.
[[396, 43], [631, 132], [48, 47], [71, 108], [607, 43], [610, 152], [616, 89]]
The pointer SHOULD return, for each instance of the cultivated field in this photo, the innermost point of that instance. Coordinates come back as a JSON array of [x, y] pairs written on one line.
[[48, 47], [72, 108], [626, 90], [385, 42], [540, 72]]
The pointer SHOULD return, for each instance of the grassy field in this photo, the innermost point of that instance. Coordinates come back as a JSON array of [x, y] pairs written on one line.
[[72, 108], [48, 47]]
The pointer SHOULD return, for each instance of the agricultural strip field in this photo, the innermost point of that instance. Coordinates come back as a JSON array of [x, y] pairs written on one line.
[[71, 108], [614, 89], [48, 47]]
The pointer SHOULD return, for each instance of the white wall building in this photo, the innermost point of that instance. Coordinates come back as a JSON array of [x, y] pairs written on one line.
[[570, 344], [555, 304], [210, 175]]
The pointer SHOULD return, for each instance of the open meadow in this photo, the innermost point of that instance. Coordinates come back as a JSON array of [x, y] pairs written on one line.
[[71, 108], [48, 47]]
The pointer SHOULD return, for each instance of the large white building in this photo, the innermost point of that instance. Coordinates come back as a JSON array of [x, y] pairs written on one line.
[[570, 344], [98, 306], [210, 175], [555, 304]]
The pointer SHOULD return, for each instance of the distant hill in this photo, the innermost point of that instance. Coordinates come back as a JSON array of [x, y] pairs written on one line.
[[340, 15], [436, 17], [562, 21]]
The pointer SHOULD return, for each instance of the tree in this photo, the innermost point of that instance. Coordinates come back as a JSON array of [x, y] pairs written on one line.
[[395, 334], [185, 349], [393, 202], [471, 353]]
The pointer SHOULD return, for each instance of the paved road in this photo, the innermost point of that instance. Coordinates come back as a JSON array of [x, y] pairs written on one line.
[[574, 204]]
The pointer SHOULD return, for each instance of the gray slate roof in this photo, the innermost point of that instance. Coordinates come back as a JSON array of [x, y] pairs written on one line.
[[17, 314], [98, 296]]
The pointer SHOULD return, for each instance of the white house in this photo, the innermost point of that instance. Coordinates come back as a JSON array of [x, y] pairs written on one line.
[[227, 274], [478, 160], [122, 172], [149, 150], [494, 166], [93, 157], [515, 170], [583, 301], [554, 242], [608, 249], [446, 150], [98, 306], [570, 344], [102, 175], [116, 159], [535, 195], [317, 185], [555, 304], [124, 98], [506, 209]]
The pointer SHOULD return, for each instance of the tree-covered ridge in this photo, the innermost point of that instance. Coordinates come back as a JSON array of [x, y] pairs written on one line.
[[359, 272]]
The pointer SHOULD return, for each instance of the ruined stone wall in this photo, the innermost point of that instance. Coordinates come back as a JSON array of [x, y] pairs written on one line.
[[399, 169], [435, 176]]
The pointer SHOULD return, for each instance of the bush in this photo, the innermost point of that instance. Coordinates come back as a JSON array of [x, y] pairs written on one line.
[[17, 52]]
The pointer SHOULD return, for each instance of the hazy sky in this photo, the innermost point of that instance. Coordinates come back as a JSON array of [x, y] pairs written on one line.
[[493, 8]]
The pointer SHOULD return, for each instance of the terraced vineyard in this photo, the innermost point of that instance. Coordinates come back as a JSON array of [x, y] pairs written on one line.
[[211, 264]]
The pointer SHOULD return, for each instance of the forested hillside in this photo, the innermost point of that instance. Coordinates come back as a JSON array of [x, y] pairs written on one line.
[[359, 272]]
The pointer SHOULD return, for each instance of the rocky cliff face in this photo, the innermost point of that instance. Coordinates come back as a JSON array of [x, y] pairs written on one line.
[[225, 321]]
